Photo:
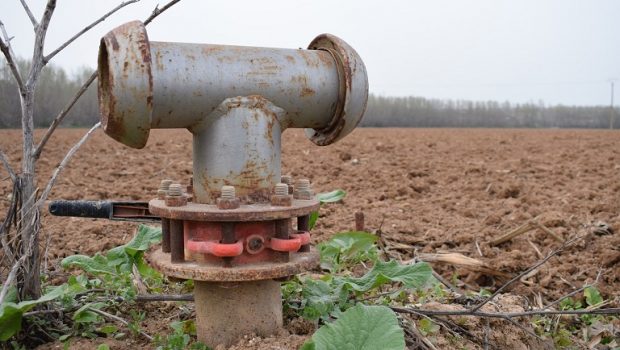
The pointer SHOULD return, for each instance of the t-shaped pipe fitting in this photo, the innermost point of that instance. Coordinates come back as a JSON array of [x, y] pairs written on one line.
[[145, 85], [235, 100]]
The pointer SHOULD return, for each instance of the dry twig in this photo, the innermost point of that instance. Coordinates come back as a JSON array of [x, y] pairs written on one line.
[[86, 29], [533, 267], [7, 166]]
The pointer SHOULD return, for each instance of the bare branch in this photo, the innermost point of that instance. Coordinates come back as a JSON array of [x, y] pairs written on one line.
[[533, 267], [63, 163], [30, 15], [157, 11], [18, 264], [5, 47], [557, 301], [38, 60], [11, 277], [116, 318], [63, 113], [59, 118], [87, 28], [164, 297], [7, 166], [505, 315]]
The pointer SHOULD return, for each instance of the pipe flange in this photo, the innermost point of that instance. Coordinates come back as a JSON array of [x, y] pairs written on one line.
[[125, 84], [299, 262], [353, 93], [246, 212]]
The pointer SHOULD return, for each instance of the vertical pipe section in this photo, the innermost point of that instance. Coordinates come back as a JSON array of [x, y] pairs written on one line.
[[177, 249], [228, 236], [225, 312], [165, 235], [282, 232], [303, 225], [239, 146]]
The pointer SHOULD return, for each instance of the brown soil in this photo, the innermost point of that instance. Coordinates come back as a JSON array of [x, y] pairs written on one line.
[[433, 189]]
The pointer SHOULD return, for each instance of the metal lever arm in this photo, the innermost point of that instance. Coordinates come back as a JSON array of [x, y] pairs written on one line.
[[121, 211]]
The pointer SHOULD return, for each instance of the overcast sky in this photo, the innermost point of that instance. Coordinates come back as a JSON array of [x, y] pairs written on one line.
[[564, 51]]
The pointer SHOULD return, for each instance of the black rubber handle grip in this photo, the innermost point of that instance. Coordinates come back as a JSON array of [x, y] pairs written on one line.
[[84, 209]]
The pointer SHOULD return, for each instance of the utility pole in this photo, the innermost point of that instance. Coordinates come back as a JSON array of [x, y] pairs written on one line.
[[611, 110]]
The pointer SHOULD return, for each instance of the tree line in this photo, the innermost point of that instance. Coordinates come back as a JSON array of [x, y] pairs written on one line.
[[56, 88]]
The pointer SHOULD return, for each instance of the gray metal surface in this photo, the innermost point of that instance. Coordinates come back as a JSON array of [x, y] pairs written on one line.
[[240, 147], [144, 85]]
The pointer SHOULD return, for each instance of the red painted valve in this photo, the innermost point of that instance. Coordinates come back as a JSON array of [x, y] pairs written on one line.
[[304, 236], [285, 245], [215, 248]]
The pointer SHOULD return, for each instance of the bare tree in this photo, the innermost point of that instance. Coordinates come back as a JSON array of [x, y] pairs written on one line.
[[21, 248]]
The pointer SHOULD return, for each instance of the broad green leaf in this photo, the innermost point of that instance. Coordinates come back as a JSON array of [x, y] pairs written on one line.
[[84, 315], [361, 328], [103, 347], [108, 329], [10, 320], [593, 297], [98, 264], [411, 276], [427, 326], [144, 238], [331, 197], [314, 216], [320, 298], [347, 248]]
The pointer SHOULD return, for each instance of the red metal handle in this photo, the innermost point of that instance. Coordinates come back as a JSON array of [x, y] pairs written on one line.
[[285, 245], [304, 236], [215, 248]]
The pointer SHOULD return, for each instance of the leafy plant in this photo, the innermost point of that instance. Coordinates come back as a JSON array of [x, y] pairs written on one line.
[[347, 249], [326, 197], [360, 327], [327, 297], [180, 338], [112, 273], [115, 268]]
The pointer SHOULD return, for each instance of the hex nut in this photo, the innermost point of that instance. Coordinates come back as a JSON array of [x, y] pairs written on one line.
[[282, 200], [227, 203], [303, 190], [176, 201]]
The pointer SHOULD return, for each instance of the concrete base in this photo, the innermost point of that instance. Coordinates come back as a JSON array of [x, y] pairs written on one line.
[[225, 312]]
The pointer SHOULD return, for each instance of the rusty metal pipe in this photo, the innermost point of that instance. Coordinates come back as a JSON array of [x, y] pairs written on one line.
[[302, 82], [239, 147], [144, 85], [177, 246]]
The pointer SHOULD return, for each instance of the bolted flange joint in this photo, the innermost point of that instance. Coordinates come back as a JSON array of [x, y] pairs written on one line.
[[228, 199], [281, 198], [175, 196], [303, 190]]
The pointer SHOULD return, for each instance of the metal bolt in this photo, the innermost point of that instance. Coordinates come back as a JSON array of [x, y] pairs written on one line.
[[163, 188], [281, 198], [288, 180], [303, 184], [303, 190], [281, 189], [228, 199], [228, 192], [175, 196], [175, 190]]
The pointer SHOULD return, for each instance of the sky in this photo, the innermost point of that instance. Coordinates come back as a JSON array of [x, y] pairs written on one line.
[[556, 51]]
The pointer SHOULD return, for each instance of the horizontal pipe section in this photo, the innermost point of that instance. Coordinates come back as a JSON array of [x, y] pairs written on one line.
[[191, 80]]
